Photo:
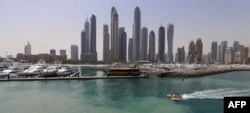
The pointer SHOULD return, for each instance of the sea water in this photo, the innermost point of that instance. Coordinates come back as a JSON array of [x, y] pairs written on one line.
[[144, 95]]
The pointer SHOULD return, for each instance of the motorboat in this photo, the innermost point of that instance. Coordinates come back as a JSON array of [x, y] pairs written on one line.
[[32, 71], [50, 71], [174, 96], [3, 74], [11, 70], [65, 71]]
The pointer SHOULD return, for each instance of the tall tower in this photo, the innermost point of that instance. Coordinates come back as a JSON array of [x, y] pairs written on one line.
[[114, 35], [161, 45], [93, 34], [106, 54], [144, 43], [123, 45], [198, 51], [27, 49], [170, 35], [130, 50], [214, 47], [87, 36], [236, 46], [74, 52], [136, 34], [83, 42], [222, 50], [191, 52], [151, 56]]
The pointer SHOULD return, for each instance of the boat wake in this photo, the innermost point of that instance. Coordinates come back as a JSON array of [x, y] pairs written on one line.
[[217, 93]]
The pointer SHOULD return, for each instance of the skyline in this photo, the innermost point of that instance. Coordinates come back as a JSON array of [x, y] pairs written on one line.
[[40, 22]]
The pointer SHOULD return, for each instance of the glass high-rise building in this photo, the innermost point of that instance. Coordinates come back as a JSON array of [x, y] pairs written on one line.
[[170, 35], [222, 50], [87, 36], [74, 53], [122, 45], [106, 54], [93, 34], [161, 45], [130, 50], [27, 49], [114, 35], [144, 43], [151, 56], [53, 52], [214, 48], [136, 34]]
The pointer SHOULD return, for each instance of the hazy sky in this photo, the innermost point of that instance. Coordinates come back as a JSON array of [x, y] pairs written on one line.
[[56, 24]]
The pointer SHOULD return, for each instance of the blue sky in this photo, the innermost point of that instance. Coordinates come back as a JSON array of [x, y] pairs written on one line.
[[57, 24]]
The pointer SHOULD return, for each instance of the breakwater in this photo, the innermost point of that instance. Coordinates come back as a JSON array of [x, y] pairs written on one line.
[[200, 73]]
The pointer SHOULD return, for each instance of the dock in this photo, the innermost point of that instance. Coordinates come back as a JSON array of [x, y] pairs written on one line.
[[74, 76]]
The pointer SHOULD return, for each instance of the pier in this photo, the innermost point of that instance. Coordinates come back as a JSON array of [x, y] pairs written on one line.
[[74, 76]]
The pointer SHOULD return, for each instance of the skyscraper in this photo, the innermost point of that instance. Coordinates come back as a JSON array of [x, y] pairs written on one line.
[[198, 51], [63, 55], [93, 34], [136, 34], [114, 35], [123, 45], [180, 55], [106, 54], [222, 50], [214, 51], [83, 42], [144, 43], [170, 35], [161, 45], [236, 46], [74, 52], [191, 52], [53, 52], [27, 49], [229, 55], [130, 50], [151, 56], [87, 36]]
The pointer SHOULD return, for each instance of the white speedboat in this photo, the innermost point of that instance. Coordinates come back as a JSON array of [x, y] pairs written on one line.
[[174, 96], [50, 71]]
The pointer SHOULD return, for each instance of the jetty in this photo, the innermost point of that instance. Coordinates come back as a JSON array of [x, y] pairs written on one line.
[[74, 76]]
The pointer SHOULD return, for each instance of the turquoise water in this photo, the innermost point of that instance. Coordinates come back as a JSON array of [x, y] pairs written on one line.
[[201, 95]]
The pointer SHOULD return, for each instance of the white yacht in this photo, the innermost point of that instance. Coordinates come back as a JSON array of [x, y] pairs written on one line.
[[65, 71]]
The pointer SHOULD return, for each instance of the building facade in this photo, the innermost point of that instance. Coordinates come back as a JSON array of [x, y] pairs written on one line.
[[222, 51], [191, 53], [198, 51], [161, 45], [136, 34], [123, 45], [151, 56], [214, 48], [74, 53], [93, 34], [130, 50], [106, 50], [52, 52], [114, 35], [144, 43], [229, 55], [87, 36], [170, 35], [27, 49]]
